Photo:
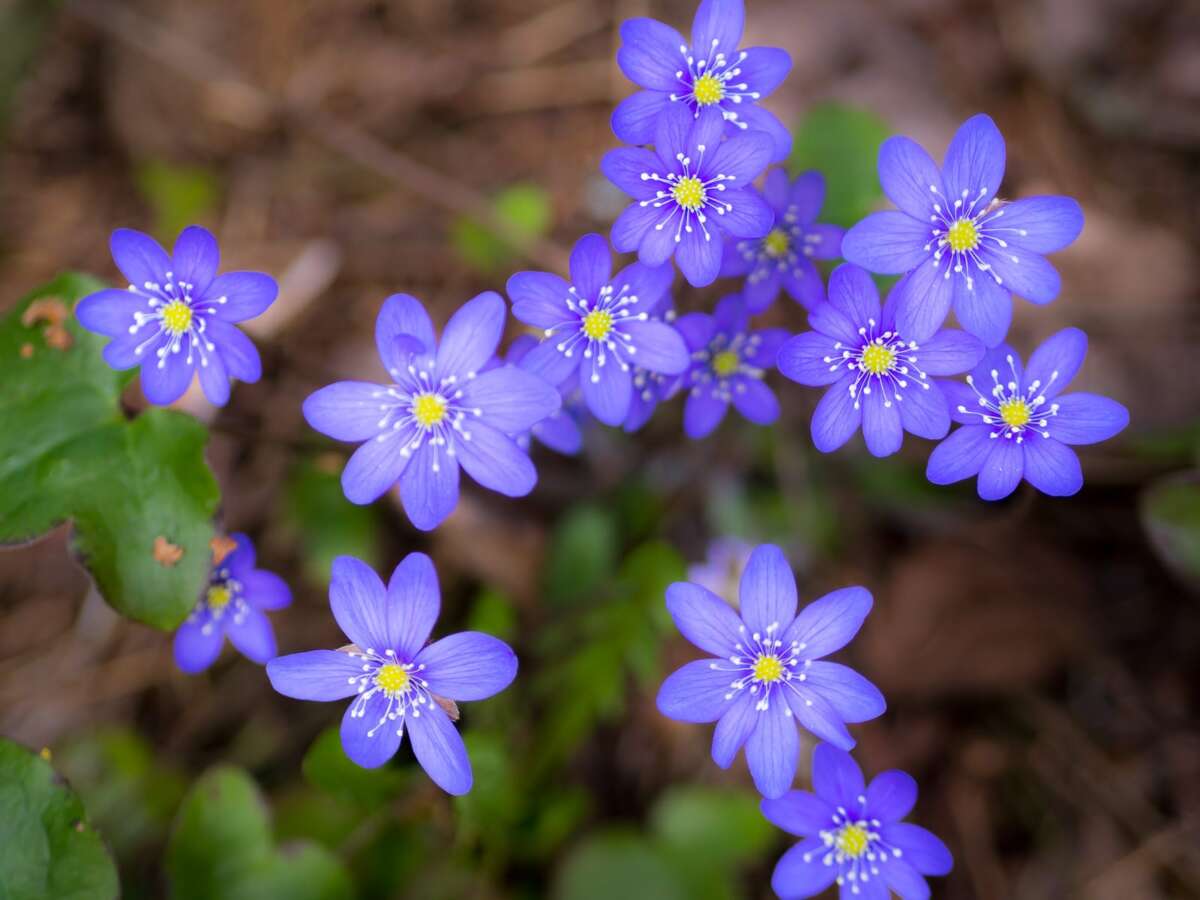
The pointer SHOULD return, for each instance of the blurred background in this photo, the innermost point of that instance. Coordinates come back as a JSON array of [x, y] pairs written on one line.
[[1041, 657]]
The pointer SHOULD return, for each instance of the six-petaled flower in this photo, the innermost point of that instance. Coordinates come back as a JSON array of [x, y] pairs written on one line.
[[784, 258], [689, 193], [729, 361], [958, 245], [234, 605], [709, 73], [880, 378], [767, 673], [398, 683], [598, 326], [176, 317], [440, 411], [1016, 423], [853, 835]]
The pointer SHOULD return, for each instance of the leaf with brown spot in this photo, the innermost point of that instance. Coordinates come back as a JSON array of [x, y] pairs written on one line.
[[166, 554], [221, 547]]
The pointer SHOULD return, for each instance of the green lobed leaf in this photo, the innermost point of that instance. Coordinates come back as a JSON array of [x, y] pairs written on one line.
[[326, 766], [525, 212], [843, 143], [719, 827], [68, 454], [583, 555], [1170, 513], [222, 846], [618, 864], [328, 526], [48, 849]]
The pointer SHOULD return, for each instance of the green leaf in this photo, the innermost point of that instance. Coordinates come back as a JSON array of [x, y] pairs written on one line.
[[618, 865], [713, 826], [48, 850], [843, 143], [329, 526], [179, 195], [1170, 512], [222, 846], [326, 766], [583, 553], [67, 453], [524, 211]]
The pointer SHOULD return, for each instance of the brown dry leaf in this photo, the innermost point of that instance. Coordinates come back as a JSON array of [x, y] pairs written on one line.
[[448, 706], [221, 547], [166, 554]]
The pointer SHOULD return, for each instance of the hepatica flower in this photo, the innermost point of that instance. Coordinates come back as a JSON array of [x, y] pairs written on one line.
[[598, 326], [176, 318], [959, 245], [853, 835], [234, 605], [1016, 423], [880, 378], [784, 258], [766, 674], [398, 683], [709, 74], [729, 362], [651, 388], [722, 567], [689, 193], [562, 432], [440, 411]]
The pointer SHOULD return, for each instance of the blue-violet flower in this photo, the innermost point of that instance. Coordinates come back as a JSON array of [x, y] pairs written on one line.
[[562, 432]]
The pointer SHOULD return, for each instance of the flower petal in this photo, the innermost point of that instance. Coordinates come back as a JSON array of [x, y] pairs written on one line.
[[830, 623], [316, 675], [801, 871], [1052, 467], [755, 400], [126, 351], [910, 178], [512, 400], [959, 456], [704, 619], [741, 159], [761, 120], [806, 196], [139, 257], [561, 433], [696, 692], [429, 487], [413, 602], [401, 314], [658, 347], [923, 411], [251, 632], [733, 728], [607, 390], [853, 292], [853, 697], [905, 880], [767, 591], [773, 750], [110, 311], [698, 256], [829, 320], [1001, 470], [764, 69], [246, 294], [650, 54], [923, 850], [1039, 224], [633, 121], [1088, 419], [195, 258], [803, 359], [590, 265], [539, 298], [440, 750], [817, 716], [881, 423], [950, 352], [214, 380], [824, 241], [717, 26], [798, 812], [703, 411], [346, 410], [495, 461], [835, 419], [974, 164], [165, 383], [836, 777], [748, 215], [265, 590], [198, 643], [648, 283], [891, 795], [238, 352], [376, 466], [468, 666], [1055, 362], [1027, 275], [547, 362], [359, 603], [923, 299], [888, 242], [368, 737], [472, 335]]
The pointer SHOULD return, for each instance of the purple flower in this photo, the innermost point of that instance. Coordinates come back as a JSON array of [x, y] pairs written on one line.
[[1015, 424], [689, 192], [397, 682], [853, 835], [233, 606], [598, 326], [710, 74], [728, 364], [958, 245], [176, 317], [562, 432], [722, 568], [768, 674], [784, 258], [879, 376], [441, 410]]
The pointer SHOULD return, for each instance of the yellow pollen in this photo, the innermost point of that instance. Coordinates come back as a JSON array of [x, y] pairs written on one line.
[[392, 678], [1015, 412], [219, 596], [963, 235], [177, 317], [853, 840], [429, 409], [597, 324], [777, 243], [768, 668], [708, 89], [689, 193], [878, 359], [726, 363]]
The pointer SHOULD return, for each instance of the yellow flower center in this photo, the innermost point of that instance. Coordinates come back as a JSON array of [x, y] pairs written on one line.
[[777, 243], [392, 678], [768, 668], [853, 841], [597, 324], [177, 317], [218, 596], [429, 409], [708, 89], [963, 235], [726, 363], [1015, 412], [689, 193], [878, 359]]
